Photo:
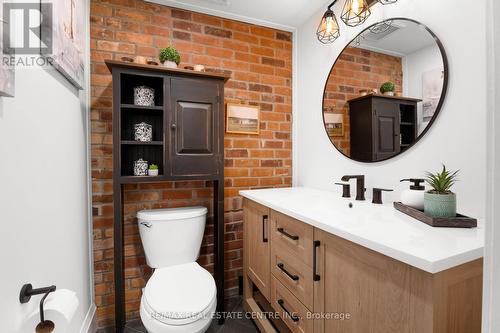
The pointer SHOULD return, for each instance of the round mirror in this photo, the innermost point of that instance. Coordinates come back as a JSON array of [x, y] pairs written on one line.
[[385, 90]]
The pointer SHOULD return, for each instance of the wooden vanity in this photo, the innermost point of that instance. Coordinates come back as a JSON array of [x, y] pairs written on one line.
[[322, 283]]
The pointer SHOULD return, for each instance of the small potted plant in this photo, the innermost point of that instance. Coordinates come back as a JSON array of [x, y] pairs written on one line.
[[153, 170], [170, 57], [388, 88], [440, 201]]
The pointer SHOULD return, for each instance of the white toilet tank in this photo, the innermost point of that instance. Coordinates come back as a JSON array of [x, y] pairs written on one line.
[[171, 236]]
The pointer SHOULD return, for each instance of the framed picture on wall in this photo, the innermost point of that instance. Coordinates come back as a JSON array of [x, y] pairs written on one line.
[[68, 38], [334, 123], [242, 119], [7, 71]]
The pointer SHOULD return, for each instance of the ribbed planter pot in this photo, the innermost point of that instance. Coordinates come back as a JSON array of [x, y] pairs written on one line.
[[440, 205]]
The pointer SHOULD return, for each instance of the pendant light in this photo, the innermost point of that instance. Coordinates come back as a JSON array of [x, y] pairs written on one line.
[[355, 12], [328, 29], [387, 2], [381, 27]]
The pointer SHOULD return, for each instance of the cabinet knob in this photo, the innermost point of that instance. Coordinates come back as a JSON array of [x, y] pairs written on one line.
[[173, 127]]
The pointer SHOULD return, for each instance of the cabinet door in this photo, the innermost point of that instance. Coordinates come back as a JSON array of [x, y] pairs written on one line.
[[256, 249], [372, 289], [195, 114], [386, 129]]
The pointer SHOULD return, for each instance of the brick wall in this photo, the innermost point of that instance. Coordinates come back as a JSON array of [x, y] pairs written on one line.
[[260, 62], [357, 69]]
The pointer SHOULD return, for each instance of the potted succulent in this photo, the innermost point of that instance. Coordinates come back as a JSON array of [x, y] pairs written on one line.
[[388, 88], [440, 201], [170, 57], [153, 170]]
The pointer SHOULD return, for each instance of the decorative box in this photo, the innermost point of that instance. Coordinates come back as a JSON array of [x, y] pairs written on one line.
[[143, 132], [140, 167], [144, 96]]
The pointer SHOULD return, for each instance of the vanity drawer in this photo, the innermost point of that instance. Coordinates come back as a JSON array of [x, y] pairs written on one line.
[[294, 237], [290, 309], [293, 273]]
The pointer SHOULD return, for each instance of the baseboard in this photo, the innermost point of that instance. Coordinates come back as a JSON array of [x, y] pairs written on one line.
[[89, 324]]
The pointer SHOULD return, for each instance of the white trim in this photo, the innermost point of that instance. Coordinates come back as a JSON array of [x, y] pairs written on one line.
[[223, 14], [490, 324], [295, 105], [89, 325]]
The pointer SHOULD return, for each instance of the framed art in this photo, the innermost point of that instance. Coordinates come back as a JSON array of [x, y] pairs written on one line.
[[7, 72], [68, 39], [334, 123], [242, 119]]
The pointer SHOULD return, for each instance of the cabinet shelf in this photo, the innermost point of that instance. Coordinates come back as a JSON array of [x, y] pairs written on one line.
[[140, 143], [404, 123], [140, 107]]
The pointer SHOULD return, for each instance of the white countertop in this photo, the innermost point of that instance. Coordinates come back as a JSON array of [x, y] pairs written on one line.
[[378, 227]]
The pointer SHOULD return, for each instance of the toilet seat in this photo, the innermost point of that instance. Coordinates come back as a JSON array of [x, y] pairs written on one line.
[[180, 294]]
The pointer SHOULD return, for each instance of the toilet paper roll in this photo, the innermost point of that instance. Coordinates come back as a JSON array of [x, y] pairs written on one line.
[[59, 307]]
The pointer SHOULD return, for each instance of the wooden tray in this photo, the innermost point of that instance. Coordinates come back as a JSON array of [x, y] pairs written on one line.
[[460, 221]]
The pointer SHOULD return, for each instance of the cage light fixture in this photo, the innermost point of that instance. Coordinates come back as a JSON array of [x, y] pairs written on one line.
[[328, 30], [355, 12]]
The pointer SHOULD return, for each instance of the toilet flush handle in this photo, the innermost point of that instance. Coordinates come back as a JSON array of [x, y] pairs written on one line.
[[147, 224]]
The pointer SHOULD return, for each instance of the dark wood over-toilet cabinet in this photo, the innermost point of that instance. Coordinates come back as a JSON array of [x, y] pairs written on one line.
[[188, 144], [320, 283], [382, 126]]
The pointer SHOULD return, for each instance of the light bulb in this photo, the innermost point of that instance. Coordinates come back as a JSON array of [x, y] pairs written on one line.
[[356, 5], [330, 25]]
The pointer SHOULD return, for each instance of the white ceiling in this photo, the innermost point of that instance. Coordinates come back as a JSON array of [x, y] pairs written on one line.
[[281, 14]]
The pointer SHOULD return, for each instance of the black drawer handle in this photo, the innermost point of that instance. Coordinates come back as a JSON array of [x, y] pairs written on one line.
[[316, 244], [291, 276], [264, 220], [288, 313], [283, 232]]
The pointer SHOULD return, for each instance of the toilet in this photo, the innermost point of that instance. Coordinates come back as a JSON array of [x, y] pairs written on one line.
[[180, 296]]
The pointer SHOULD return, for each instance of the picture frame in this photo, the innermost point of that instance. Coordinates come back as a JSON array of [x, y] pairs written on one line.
[[68, 38], [334, 123], [242, 119], [7, 73]]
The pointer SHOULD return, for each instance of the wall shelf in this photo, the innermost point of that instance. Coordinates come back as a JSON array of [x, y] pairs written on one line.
[[188, 144]]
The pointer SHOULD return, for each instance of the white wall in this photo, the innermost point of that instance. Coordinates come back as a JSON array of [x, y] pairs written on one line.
[[415, 65], [458, 138], [491, 308], [44, 237]]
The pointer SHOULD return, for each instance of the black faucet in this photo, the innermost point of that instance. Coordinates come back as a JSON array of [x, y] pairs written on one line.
[[360, 185]]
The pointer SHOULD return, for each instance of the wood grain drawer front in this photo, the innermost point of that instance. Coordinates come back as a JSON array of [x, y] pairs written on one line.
[[293, 313], [295, 237], [293, 274]]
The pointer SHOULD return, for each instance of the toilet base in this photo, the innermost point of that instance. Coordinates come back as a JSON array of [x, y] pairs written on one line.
[[153, 325]]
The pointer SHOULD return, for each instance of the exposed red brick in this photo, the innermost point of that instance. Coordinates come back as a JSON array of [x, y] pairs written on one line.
[[259, 60]]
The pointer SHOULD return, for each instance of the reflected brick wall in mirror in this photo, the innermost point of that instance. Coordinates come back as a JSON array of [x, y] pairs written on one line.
[[355, 70]]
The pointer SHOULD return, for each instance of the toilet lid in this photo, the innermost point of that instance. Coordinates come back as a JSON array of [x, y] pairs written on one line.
[[180, 292]]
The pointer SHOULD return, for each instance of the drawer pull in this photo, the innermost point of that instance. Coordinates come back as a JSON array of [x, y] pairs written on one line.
[[288, 313], [264, 220], [316, 244], [291, 276], [283, 232]]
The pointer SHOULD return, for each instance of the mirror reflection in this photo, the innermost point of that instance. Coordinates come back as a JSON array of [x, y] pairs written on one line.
[[385, 90]]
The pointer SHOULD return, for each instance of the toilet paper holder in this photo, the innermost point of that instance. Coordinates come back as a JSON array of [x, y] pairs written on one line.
[[27, 291], [24, 297]]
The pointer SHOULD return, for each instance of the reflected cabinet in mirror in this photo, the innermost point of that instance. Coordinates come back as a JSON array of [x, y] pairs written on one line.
[[385, 90]]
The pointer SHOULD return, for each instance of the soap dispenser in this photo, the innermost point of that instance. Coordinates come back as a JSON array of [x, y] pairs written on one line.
[[414, 196]]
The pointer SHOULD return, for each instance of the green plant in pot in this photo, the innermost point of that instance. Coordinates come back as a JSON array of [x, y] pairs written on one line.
[[441, 201], [170, 57], [153, 170], [388, 88]]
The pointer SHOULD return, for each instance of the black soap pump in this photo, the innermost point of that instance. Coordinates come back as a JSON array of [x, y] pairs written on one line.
[[414, 196]]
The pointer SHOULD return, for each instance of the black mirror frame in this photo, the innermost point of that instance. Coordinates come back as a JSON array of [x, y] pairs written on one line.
[[438, 108]]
